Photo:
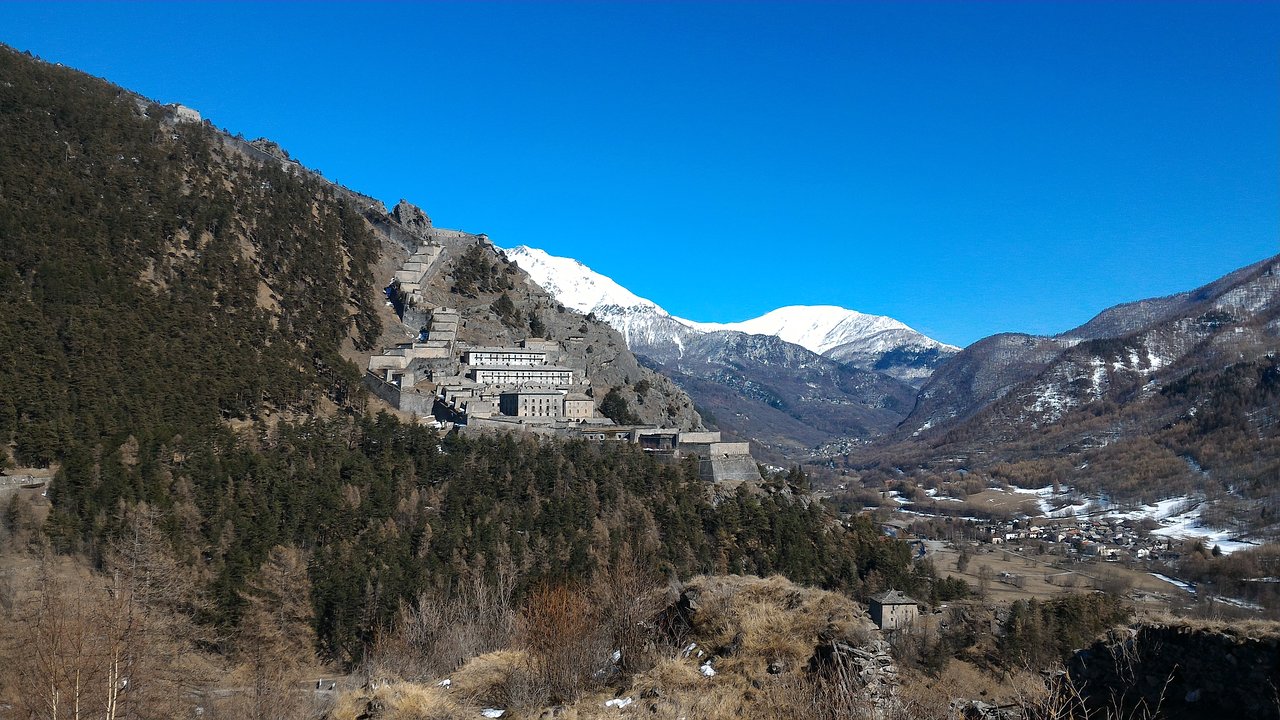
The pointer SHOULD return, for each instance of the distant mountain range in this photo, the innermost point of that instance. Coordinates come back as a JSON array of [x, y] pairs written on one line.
[[1167, 397], [795, 379], [1124, 348], [869, 342]]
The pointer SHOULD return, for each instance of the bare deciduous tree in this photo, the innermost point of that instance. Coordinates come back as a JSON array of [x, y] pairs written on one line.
[[275, 642]]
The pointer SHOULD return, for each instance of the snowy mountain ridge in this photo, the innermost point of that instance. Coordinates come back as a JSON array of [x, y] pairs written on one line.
[[575, 285], [764, 379], [818, 328]]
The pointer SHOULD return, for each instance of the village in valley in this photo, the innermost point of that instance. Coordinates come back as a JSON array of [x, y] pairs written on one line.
[[1011, 543]]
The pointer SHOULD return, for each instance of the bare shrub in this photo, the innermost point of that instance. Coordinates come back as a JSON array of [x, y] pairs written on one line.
[[561, 630], [1113, 582], [86, 649], [442, 629], [627, 597]]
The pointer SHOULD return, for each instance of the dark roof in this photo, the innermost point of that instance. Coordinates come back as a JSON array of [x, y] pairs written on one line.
[[893, 597]]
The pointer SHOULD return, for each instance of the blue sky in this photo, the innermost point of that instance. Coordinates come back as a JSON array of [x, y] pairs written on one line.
[[966, 168]]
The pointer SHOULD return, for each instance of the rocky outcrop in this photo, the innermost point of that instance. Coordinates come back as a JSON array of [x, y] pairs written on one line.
[[1181, 670], [979, 710], [868, 671], [412, 217], [271, 148]]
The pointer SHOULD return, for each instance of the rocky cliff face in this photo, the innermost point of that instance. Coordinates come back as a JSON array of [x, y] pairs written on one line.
[[411, 217]]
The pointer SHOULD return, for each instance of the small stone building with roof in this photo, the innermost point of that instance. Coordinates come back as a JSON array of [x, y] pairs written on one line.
[[892, 610]]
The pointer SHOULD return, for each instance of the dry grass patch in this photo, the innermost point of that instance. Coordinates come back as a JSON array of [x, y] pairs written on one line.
[[669, 676], [1002, 503], [752, 622], [491, 679], [960, 679], [398, 701], [1253, 629]]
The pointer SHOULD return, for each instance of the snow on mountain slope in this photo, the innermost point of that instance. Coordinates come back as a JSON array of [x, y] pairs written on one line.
[[753, 376], [647, 328], [573, 284], [818, 328], [823, 327], [870, 342]]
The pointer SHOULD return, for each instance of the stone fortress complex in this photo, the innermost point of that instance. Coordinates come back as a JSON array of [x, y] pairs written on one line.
[[537, 385]]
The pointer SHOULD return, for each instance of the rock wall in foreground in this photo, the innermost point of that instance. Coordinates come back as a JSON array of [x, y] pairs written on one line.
[[1183, 670]]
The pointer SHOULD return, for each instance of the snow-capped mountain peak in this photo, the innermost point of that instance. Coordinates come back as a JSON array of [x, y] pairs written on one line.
[[817, 327], [843, 335], [575, 285]]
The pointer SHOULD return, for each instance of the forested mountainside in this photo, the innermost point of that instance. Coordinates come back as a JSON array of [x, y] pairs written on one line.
[[155, 284], [1153, 399], [383, 511], [176, 318]]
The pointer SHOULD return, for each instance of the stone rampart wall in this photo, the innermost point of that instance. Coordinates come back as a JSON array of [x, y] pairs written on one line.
[[419, 403], [734, 468]]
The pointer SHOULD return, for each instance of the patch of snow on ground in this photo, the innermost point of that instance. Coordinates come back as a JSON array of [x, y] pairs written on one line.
[[618, 702], [1239, 603], [492, 712], [1099, 376], [1045, 491], [1057, 505], [1051, 401], [707, 670], [1177, 583], [1156, 511], [933, 494], [1188, 526], [896, 496], [1179, 518], [1070, 509]]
